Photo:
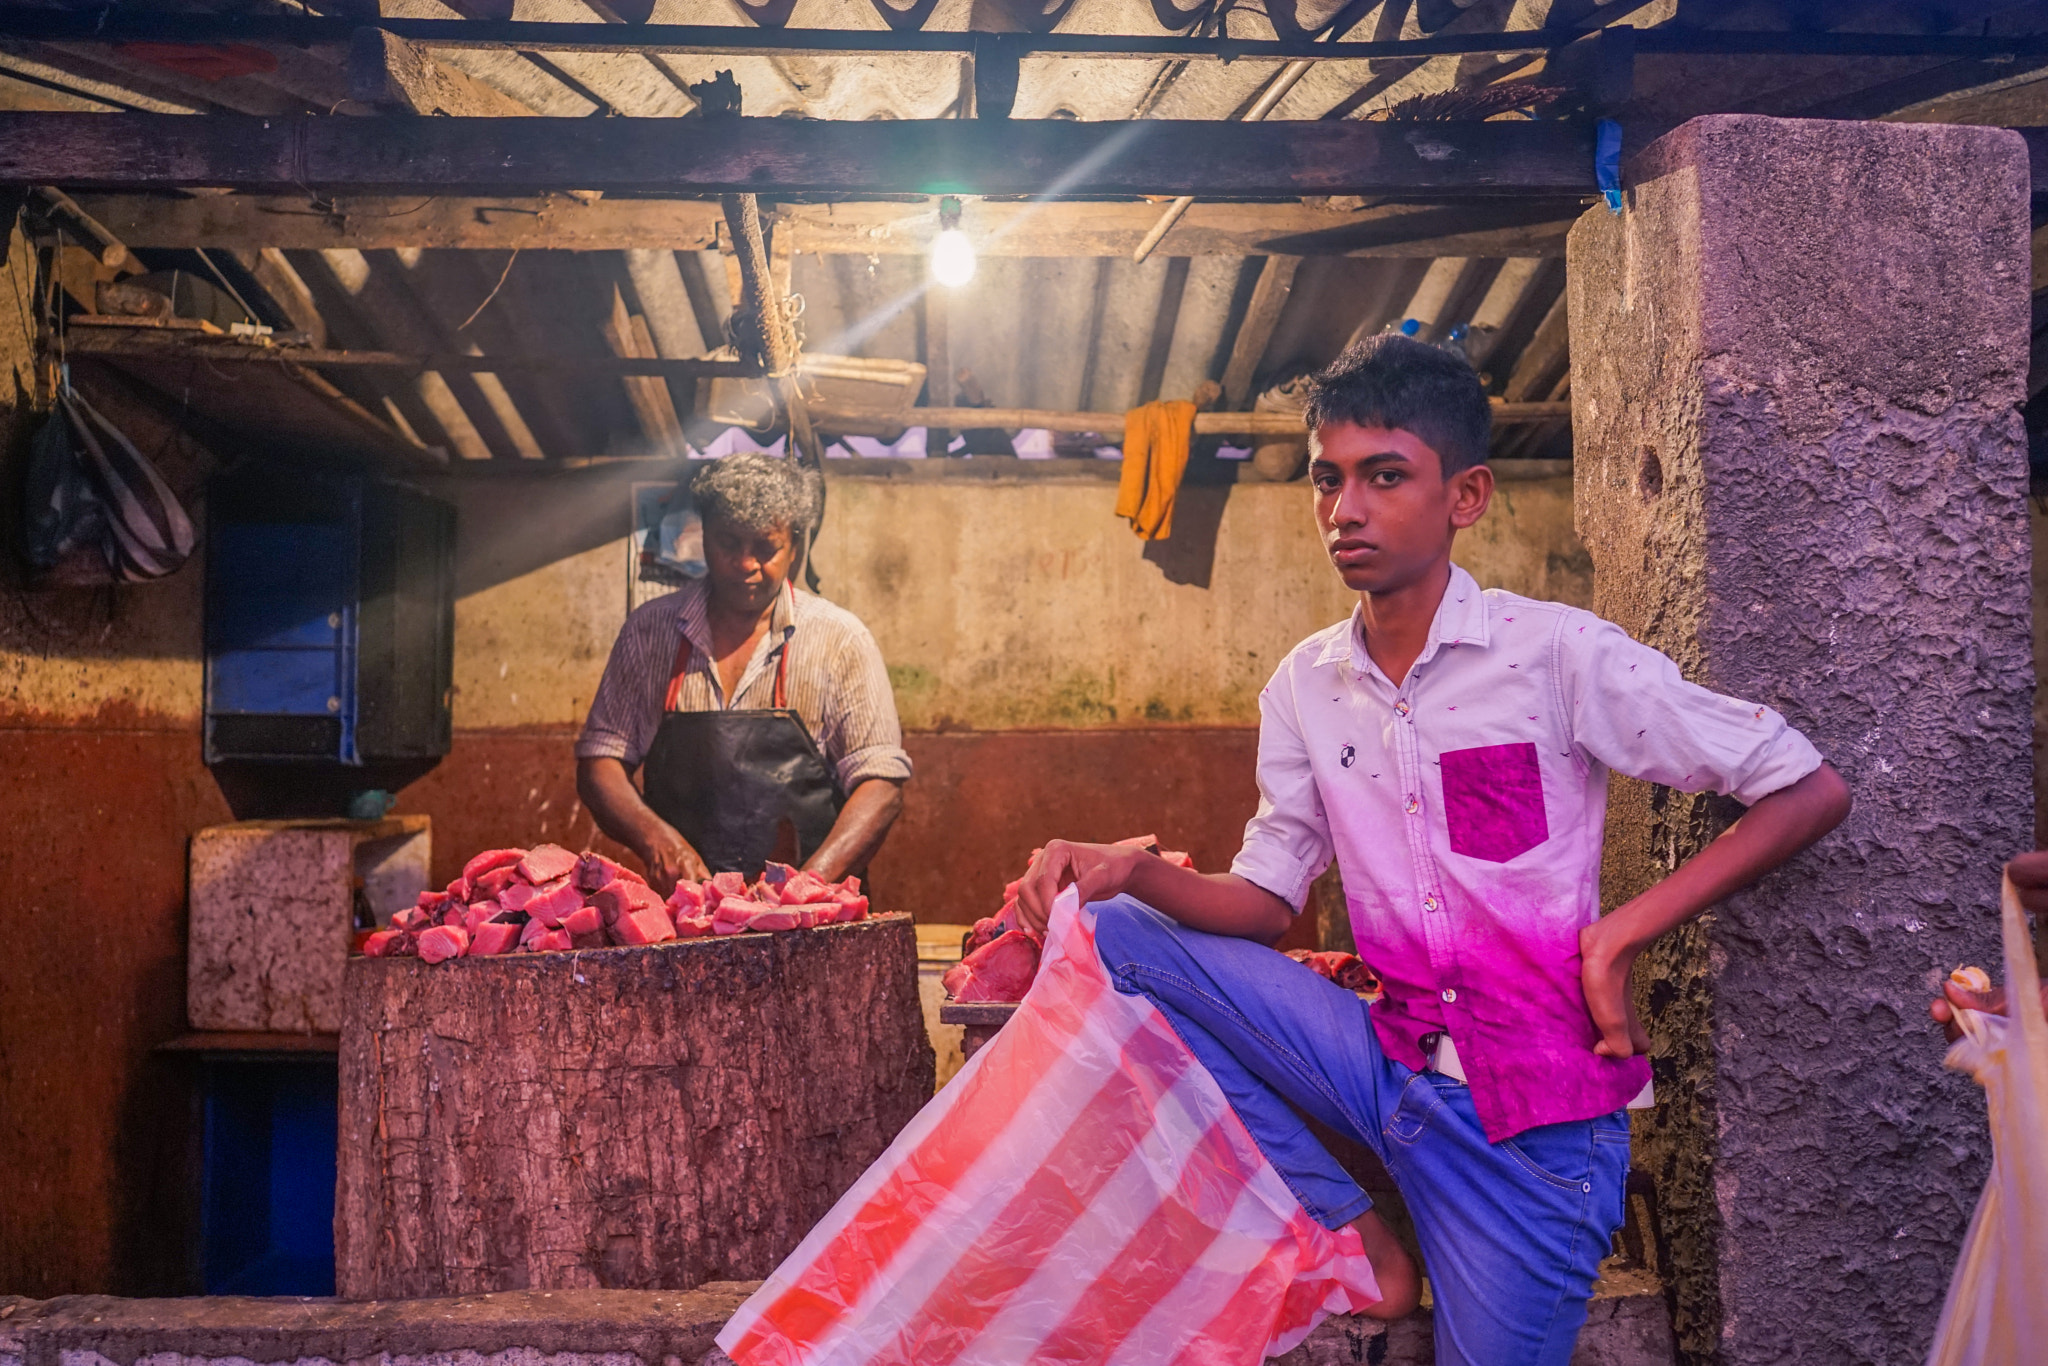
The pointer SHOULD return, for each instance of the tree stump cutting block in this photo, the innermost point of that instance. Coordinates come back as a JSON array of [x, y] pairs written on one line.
[[644, 1119]]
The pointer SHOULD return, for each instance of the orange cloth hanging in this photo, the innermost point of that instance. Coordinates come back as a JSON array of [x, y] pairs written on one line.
[[1156, 440]]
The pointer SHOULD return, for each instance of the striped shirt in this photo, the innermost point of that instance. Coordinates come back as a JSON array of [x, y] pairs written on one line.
[[836, 682]]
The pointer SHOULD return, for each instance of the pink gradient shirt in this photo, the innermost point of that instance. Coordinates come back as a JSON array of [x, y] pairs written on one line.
[[1465, 810]]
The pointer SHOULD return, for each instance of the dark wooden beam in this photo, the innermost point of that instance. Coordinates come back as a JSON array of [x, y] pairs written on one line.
[[1216, 160], [124, 341], [99, 26], [244, 222]]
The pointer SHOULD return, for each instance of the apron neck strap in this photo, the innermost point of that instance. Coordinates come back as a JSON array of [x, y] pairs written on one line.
[[682, 664]]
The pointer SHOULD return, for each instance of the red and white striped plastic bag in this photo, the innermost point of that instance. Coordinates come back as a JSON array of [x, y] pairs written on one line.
[[1080, 1193]]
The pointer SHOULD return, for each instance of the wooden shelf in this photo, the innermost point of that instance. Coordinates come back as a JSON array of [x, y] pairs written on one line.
[[220, 1043], [996, 1013]]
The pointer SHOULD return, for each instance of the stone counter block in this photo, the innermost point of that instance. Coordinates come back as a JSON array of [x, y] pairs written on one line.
[[273, 914], [1628, 1327], [1797, 360], [646, 1119]]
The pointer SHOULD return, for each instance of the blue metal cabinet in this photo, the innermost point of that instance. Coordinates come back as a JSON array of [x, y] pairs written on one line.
[[329, 619]]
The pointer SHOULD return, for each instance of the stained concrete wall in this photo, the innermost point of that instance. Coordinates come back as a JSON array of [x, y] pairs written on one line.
[[1799, 356], [999, 604]]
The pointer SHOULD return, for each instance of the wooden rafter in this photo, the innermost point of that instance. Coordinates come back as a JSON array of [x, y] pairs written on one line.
[[781, 156], [1490, 228]]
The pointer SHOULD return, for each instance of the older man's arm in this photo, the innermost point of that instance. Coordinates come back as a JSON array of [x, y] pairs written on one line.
[[862, 825], [607, 790]]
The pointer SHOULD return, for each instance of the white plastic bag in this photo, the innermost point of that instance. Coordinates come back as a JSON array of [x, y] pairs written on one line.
[[1080, 1192], [1997, 1310]]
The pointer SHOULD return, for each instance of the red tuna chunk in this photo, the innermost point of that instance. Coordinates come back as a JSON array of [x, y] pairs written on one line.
[[807, 889], [444, 942], [728, 884], [622, 898], [546, 862], [555, 901], [489, 859], [478, 913], [583, 920], [493, 938], [776, 918], [518, 895], [495, 883], [643, 925], [594, 872], [432, 902], [532, 933], [415, 919], [459, 890], [692, 926], [384, 944], [554, 941], [686, 900], [1001, 971]]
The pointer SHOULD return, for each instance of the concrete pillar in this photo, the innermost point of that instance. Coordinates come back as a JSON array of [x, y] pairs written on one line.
[[1797, 357]]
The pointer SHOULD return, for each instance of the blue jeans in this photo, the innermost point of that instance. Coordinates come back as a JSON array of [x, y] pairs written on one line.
[[1512, 1233]]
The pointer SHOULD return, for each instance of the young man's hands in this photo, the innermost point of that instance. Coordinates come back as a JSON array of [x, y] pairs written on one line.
[[2029, 874], [1216, 903], [1770, 832], [1101, 871]]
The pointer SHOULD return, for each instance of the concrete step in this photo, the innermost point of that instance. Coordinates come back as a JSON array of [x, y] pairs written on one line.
[[1629, 1326]]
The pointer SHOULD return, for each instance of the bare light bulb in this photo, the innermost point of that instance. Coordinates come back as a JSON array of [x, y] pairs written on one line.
[[952, 258]]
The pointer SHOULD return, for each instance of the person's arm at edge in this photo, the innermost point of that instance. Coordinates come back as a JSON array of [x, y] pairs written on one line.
[[1217, 903], [2029, 874], [616, 805], [1772, 831], [862, 825]]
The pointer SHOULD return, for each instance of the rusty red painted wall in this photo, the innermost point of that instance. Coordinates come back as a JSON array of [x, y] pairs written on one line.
[[92, 980], [979, 804]]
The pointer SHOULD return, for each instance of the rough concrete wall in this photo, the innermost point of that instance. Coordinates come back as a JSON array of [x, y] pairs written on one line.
[[1801, 473], [998, 604]]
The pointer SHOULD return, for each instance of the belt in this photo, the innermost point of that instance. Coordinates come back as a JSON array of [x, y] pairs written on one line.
[[1440, 1055]]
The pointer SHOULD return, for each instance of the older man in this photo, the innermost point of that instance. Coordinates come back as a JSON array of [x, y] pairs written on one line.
[[759, 717]]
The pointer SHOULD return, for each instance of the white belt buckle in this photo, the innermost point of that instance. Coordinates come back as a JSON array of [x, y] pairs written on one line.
[[1444, 1059]]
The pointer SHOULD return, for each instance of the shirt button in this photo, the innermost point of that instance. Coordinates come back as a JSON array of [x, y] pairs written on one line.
[[1402, 706], [1429, 903], [1412, 807], [1450, 994]]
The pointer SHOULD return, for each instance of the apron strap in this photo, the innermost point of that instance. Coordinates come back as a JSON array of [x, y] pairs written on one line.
[[682, 665], [782, 661]]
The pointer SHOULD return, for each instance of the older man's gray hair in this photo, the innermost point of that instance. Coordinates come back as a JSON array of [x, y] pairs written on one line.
[[757, 493]]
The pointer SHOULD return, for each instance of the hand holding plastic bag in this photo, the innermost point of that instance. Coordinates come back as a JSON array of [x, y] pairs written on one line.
[[1996, 1313], [1080, 1192]]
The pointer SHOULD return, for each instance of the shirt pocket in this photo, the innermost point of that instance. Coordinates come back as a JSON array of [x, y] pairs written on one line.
[[1493, 801]]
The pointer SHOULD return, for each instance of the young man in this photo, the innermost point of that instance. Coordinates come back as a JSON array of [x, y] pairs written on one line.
[[1450, 747]]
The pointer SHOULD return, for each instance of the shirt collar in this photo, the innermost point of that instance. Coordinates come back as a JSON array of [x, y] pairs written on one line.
[[693, 612], [1460, 620]]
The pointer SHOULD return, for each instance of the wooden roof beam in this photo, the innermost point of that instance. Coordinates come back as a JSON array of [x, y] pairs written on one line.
[[247, 222], [1214, 160]]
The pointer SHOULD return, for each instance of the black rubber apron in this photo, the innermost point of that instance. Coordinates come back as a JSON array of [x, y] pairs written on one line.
[[742, 786]]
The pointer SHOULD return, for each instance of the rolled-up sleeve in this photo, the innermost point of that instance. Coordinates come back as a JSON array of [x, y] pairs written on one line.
[[862, 735], [1287, 843], [1631, 710], [627, 706]]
